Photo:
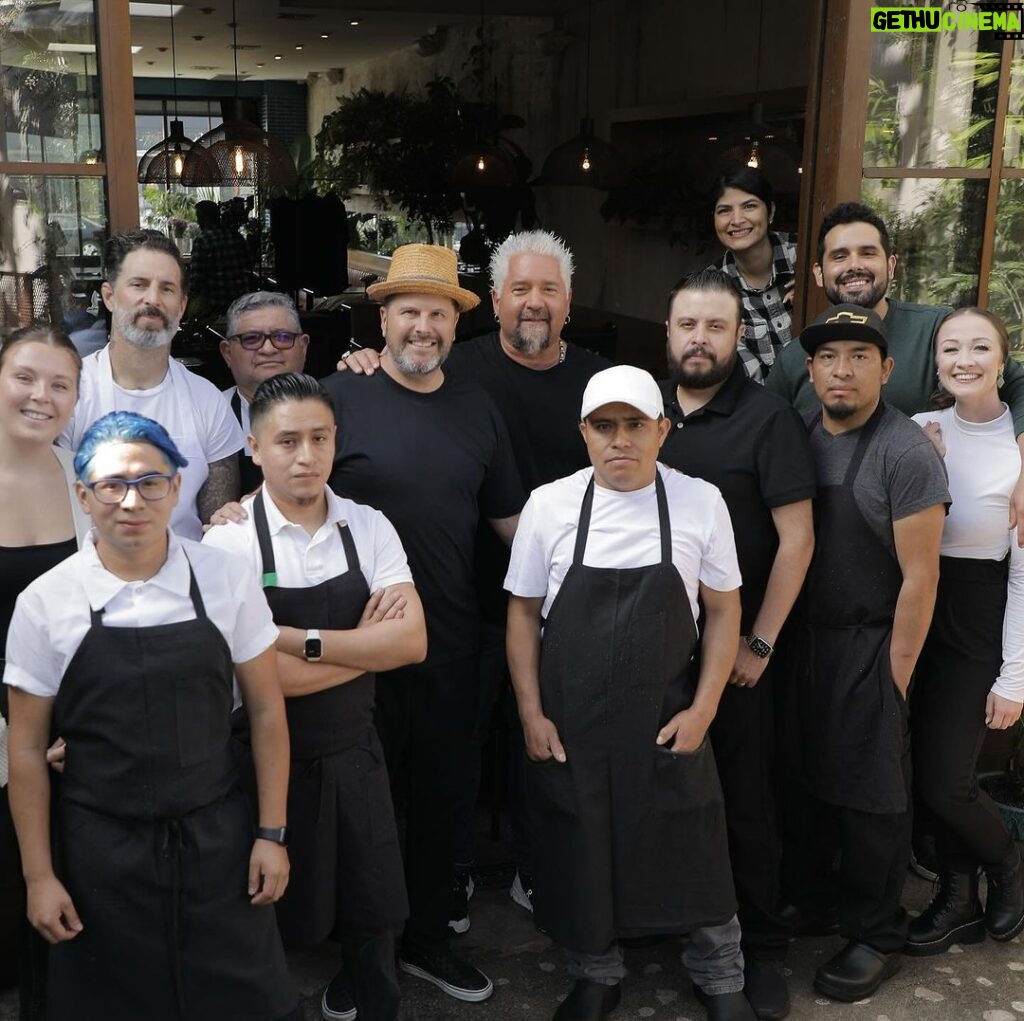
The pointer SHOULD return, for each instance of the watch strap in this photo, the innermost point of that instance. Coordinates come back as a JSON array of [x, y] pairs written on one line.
[[275, 834]]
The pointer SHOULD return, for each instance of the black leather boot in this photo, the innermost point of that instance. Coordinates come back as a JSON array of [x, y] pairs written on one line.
[[1004, 906], [954, 916]]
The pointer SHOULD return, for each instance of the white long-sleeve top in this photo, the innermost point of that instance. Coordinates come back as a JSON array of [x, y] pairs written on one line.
[[984, 463]]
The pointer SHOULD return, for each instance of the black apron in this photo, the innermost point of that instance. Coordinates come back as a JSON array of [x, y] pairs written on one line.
[[343, 842], [854, 722], [154, 836], [629, 838], [250, 473]]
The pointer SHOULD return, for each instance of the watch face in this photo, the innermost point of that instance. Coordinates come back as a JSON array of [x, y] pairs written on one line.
[[759, 647], [313, 648]]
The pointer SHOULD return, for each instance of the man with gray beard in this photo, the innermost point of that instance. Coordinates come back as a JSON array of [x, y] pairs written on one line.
[[431, 452], [146, 292]]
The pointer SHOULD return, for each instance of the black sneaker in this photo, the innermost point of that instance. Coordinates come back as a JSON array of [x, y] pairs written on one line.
[[450, 973], [336, 1004], [462, 891]]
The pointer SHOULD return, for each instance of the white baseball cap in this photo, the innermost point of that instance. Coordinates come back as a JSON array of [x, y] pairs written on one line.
[[623, 384]]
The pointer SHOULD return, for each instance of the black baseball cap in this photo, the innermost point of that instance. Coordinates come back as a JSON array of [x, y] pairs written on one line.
[[845, 322]]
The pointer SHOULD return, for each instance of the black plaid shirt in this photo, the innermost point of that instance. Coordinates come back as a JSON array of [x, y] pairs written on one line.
[[767, 320], [221, 268]]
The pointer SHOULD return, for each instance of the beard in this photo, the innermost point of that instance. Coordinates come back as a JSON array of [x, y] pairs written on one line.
[[867, 298], [411, 365], [699, 379], [124, 321], [840, 410], [531, 344]]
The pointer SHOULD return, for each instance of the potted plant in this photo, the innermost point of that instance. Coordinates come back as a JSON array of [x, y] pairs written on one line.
[[1006, 786]]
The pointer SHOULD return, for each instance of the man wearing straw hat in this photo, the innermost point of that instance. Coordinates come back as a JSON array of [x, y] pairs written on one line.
[[433, 454]]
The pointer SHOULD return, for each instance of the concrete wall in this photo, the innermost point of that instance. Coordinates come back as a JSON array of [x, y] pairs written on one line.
[[645, 53]]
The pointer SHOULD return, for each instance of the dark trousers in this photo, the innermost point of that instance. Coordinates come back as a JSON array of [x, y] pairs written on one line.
[[960, 661], [873, 851], [369, 961], [425, 718], [743, 737]]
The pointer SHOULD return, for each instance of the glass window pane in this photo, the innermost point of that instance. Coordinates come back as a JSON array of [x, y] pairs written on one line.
[[1006, 281], [52, 231], [936, 228], [1013, 136], [931, 99], [49, 106]]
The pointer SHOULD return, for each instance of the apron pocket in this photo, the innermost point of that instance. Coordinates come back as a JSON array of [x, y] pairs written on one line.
[[197, 726]]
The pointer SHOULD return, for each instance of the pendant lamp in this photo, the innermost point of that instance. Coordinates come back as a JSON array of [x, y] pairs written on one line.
[[241, 152], [754, 142], [585, 159], [164, 162]]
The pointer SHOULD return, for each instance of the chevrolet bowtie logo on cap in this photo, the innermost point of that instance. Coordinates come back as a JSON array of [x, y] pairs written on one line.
[[846, 322], [847, 317]]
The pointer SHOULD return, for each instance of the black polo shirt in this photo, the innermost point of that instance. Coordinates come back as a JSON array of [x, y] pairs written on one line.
[[754, 447]]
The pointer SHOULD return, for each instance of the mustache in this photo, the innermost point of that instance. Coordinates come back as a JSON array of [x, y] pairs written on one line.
[[152, 311]]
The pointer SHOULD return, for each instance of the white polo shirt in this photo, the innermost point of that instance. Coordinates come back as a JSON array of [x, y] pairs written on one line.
[[624, 532], [303, 560], [51, 616], [190, 408]]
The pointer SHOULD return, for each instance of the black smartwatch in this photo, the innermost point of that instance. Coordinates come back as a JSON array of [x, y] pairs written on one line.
[[759, 647], [313, 649], [275, 834]]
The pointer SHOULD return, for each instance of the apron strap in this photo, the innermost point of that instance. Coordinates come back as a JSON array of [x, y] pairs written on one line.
[[664, 523], [96, 616], [259, 518], [236, 405], [350, 546], [863, 441], [583, 525]]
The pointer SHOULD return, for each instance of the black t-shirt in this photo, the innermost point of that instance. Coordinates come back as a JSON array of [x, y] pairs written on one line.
[[754, 447], [541, 409], [434, 464]]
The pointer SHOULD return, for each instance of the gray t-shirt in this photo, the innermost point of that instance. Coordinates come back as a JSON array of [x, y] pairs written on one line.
[[901, 474]]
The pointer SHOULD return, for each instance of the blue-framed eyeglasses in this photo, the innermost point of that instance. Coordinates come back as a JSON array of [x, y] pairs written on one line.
[[150, 487]]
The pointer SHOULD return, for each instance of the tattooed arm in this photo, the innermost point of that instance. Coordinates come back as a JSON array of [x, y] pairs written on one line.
[[222, 485]]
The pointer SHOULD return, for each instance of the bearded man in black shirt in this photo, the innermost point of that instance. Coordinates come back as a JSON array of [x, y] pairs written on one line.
[[432, 453]]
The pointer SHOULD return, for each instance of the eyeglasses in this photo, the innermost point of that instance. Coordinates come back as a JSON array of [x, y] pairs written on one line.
[[149, 487], [254, 339]]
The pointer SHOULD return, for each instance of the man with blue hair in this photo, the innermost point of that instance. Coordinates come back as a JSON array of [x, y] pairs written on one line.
[[157, 898]]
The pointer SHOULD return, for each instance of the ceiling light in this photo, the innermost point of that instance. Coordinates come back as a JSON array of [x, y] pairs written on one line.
[[299, 47], [325, 35], [354, 23], [278, 56]]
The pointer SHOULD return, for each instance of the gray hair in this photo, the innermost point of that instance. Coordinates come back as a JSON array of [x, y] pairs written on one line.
[[530, 242], [256, 300]]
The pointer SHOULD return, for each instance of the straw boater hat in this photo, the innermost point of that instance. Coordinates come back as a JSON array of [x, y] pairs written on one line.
[[424, 269]]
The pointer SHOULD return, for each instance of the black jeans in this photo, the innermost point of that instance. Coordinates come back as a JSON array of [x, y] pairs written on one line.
[[743, 738], [960, 661], [873, 851], [426, 717]]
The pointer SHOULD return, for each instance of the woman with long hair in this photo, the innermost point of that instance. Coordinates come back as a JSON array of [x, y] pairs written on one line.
[[761, 261], [40, 525], [970, 676]]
